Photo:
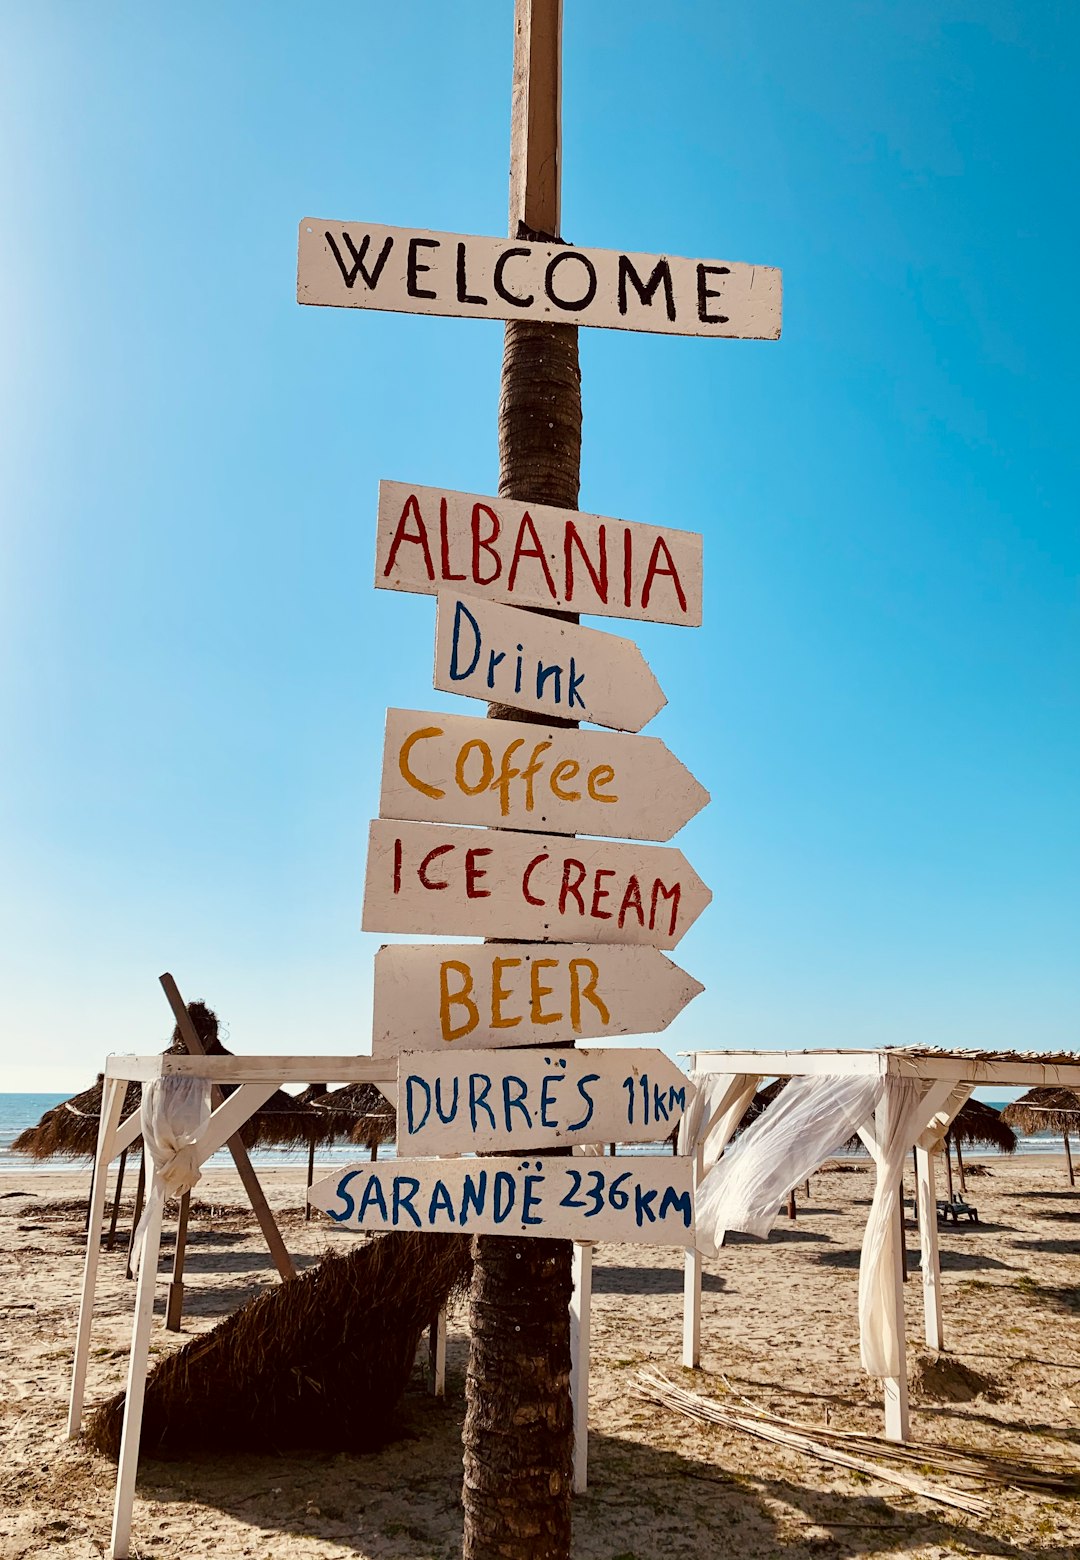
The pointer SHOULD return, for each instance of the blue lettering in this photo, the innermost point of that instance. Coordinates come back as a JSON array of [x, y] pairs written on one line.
[[443, 1117], [516, 1103], [440, 1203], [679, 1201], [542, 674], [474, 1194], [583, 1090], [462, 611], [494, 657], [677, 1097], [643, 1202], [660, 1110], [412, 1124], [530, 1200], [502, 1206], [373, 1193], [478, 1101], [576, 681], [350, 1206], [404, 1200], [547, 1098]]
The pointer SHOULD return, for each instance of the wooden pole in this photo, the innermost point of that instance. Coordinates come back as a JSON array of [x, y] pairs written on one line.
[[112, 1103], [948, 1170], [1068, 1158], [519, 1428], [174, 1307], [110, 1240], [136, 1212], [136, 1381], [310, 1175], [271, 1234], [960, 1166], [928, 1240], [791, 1212]]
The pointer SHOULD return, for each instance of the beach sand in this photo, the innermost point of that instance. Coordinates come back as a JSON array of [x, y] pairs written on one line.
[[779, 1327]]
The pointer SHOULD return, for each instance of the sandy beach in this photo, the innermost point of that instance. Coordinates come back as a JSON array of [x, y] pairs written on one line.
[[779, 1329]]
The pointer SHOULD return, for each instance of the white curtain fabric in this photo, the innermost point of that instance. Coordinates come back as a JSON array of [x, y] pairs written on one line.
[[904, 1120], [713, 1090], [173, 1116], [811, 1119]]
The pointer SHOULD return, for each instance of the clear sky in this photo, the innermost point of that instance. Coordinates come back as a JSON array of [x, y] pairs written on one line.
[[883, 700]]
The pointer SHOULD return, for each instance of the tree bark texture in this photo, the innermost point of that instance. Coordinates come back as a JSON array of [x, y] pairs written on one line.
[[519, 1428]]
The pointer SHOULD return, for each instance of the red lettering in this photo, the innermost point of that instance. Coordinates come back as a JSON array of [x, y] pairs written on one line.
[[535, 551], [483, 544], [672, 895], [574, 888], [601, 893], [419, 538], [654, 571], [472, 872], [631, 900], [535, 862], [421, 872], [397, 866], [444, 544], [599, 579]]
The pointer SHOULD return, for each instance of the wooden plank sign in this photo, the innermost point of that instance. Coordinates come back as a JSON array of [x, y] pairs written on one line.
[[432, 996], [476, 1102], [359, 265], [427, 879], [533, 663], [644, 1200], [531, 555], [461, 769]]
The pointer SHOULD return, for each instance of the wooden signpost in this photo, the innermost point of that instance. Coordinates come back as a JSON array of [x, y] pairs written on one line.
[[428, 879], [433, 996], [532, 555], [645, 1200], [459, 769], [362, 265], [539, 664], [481, 1102]]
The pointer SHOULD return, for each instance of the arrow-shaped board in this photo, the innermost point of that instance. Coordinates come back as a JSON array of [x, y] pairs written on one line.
[[431, 880], [509, 775], [534, 663], [431, 996], [531, 555], [476, 1102], [358, 265], [640, 1200]]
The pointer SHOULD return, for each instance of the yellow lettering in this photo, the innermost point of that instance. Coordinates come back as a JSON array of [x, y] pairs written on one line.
[[486, 772], [602, 775], [538, 991], [403, 761], [565, 769], [461, 998], [499, 994], [586, 989]]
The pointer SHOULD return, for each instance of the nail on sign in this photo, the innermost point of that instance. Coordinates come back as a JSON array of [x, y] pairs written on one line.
[[508, 656], [475, 1102], [429, 996], [535, 556], [359, 265], [645, 1200], [431, 880], [464, 769]]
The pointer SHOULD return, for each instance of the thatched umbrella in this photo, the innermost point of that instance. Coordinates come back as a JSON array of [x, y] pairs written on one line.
[[761, 1102], [1047, 1110], [70, 1130], [976, 1124], [359, 1112]]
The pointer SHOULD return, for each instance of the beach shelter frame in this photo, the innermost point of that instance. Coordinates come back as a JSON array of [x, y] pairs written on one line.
[[947, 1079]]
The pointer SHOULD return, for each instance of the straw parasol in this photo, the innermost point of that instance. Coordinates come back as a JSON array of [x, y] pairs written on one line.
[[359, 1112], [70, 1130], [1047, 1110], [977, 1125]]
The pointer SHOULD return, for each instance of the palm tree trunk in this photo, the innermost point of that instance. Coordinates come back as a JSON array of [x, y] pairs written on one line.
[[519, 1429]]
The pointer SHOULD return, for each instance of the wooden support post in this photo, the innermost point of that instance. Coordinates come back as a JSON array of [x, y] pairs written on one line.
[[928, 1240], [136, 1212], [174, 1306], [310, 1177], [93, 1180], [112, 1101], [136, 1381], [948, 1170], [1068, 1159], [791, 1211], [437, 1355], [901, 1235], [897, 1419], [110, 1240], [691, 1323], [271, 1234], [960, 1168], [580, 1353]]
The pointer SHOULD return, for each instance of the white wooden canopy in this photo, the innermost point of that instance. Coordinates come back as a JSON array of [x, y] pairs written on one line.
[[947, 1079]]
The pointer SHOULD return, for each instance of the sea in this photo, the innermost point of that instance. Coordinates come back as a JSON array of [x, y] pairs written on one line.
[[18, 1111]]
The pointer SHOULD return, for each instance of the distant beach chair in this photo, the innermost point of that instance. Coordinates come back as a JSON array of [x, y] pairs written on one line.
[[956, 1209]]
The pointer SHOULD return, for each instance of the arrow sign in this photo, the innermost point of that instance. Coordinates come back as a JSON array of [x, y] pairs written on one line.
[[428, 879], [535, 556], [358, 265], [533, 663], [464, 769], [475, 1102], [429, 996], [646, 1200]]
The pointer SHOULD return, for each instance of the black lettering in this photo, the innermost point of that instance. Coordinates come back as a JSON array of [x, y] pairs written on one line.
[[646, 291], [464, 296], [704, 293], [497, 279], [549, 279], [358, 256], [414, 267]]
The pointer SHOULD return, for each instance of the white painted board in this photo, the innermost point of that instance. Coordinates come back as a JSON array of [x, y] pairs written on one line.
[[428, 879], [481, 1102], [512, 775], [532, 555], [638, 1200], [434, 996], [541, 665], [361, 265]]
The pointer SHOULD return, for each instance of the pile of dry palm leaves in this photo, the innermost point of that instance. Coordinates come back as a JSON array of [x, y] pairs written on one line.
[[319, 1362]]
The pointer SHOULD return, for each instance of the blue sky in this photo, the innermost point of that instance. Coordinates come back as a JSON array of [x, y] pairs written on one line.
[[194, 667]]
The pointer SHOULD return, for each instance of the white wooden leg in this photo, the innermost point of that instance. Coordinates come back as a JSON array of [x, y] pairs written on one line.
[[691, 1320], [136, 1381], [931, 1258], [112, 1102], [437, 1355], [580, 1321], [897, 1422]]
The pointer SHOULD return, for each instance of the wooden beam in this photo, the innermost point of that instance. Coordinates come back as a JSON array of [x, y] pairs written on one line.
[[112, 1101], [271, 1234], [928, 1239], [174, 1305], [136, 1381], [580, 1358], [254, 1069], [536, 119], [975, 1069]]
